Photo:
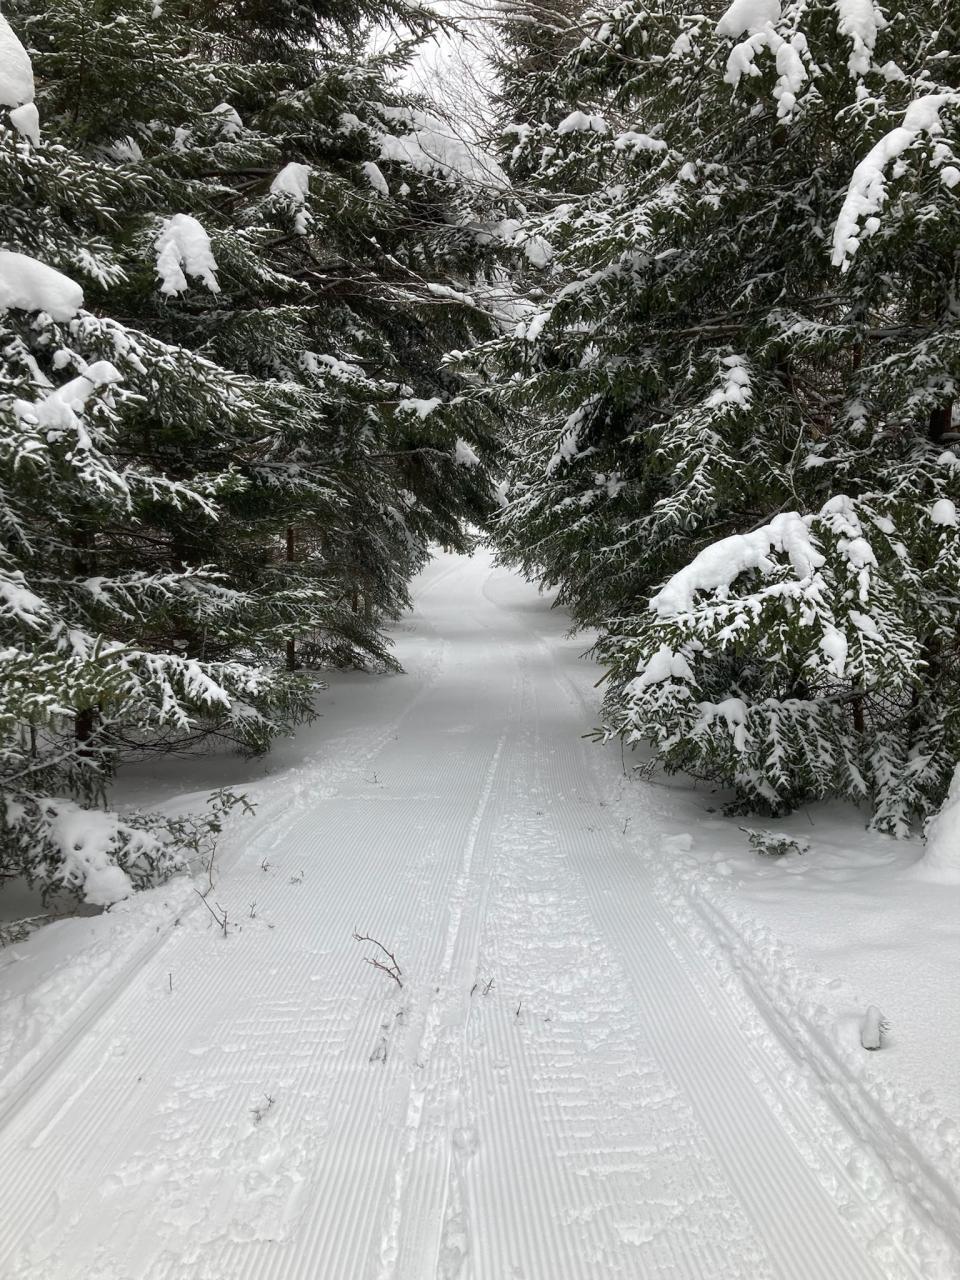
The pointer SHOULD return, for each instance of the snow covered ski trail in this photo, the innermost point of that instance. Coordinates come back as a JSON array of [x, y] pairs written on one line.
[[558, 1087]]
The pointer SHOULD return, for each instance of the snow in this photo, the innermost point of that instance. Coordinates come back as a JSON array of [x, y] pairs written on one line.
[[85, 838], [603, 1060], [748, 16], [59, 407], [633, 141], [662, 665], [231, 126], [126, 149], [422, 408], [580, 122], [872, 1028], [734, 388], [16, 71], [860, 21], [941, 861], [293, 181], [834, 645], [718, 566], [375, 177], [464, 454], [792, 74], [867, 192], [292, 184], [26, 121], [538, 251], [944, 512], [431, 147], [183, 249], [29, 285]]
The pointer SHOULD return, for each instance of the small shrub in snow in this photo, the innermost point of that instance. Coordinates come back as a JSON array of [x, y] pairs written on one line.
[[772, 844], [390, 966]]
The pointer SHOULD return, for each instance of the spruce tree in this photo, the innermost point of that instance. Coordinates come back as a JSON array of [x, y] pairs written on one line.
[[741, 467], [229, 436]]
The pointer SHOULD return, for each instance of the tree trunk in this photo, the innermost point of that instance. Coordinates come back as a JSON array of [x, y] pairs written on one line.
[[291, 643], [85, 724], [941, 419]]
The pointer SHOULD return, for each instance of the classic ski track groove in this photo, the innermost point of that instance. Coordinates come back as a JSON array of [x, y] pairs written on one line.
[[604, 1109], [268, 811]]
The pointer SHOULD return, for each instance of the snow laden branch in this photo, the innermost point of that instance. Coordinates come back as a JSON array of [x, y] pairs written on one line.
[[811, 616], [867, 192]]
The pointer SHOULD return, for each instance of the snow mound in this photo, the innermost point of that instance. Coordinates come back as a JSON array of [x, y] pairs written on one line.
[[231, 126], [293, 181], [422, 408], [183, 248], [29, 285], [940, 863], [944, 512]]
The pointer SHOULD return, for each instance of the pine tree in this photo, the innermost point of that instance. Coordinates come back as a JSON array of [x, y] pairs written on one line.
[[745, 381]]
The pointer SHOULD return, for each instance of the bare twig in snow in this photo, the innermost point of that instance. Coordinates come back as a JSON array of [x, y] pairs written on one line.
[[392, 969]]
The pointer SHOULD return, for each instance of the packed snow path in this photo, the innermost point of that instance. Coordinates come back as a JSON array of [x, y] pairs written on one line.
[[560, 1089]]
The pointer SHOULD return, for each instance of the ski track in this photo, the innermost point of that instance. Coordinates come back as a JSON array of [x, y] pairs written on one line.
[[564, 1087]]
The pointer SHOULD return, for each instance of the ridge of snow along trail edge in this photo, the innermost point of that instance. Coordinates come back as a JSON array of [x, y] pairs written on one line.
[[560, 1087]]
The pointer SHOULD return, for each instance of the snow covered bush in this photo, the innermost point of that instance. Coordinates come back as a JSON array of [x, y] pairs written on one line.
[[733, 448]]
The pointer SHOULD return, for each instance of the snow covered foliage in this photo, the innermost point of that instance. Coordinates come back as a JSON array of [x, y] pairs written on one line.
[[733, 442], [210, 324]]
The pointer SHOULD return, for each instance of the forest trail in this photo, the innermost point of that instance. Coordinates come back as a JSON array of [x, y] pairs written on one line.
[[561, 1089]]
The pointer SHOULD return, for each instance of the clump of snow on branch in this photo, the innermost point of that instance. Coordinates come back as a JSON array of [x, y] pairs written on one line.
[[718, 566], [663, 665], [861, 21], [580, 122], [430, 147], [422, 408], [16, 84], [867, 192], [375, 177], [87, 840], [183, 249], [944, 512], [748, 16], [61, 406], [16, 70], [292, 184], [231, 126], [464, 455], [734, 388], [26, 121], [634, 142], [756, 18], [29, 285]]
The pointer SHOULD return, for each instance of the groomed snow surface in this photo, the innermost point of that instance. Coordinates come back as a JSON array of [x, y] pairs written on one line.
[[598, 1063]]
